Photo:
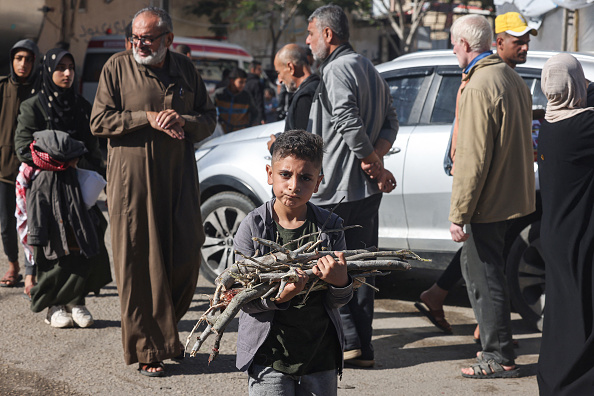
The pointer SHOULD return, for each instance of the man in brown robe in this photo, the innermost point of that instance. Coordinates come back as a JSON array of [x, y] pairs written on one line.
[[153, 106]]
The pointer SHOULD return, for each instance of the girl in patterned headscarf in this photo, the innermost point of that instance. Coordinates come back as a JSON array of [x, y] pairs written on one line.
[[63, 281], [58, 106], [57, 95]]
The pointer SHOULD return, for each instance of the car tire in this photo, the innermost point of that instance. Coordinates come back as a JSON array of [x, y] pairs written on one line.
[[221, 215], [525, 272]]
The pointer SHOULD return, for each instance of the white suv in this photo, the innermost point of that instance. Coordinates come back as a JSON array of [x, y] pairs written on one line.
[[413, 216]]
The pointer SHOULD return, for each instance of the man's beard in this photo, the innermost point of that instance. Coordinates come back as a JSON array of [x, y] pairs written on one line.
[[291, 87], [322, 52], [154, 58]]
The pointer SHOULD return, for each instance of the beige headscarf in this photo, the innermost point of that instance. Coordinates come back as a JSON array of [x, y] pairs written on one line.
[[564, 85]]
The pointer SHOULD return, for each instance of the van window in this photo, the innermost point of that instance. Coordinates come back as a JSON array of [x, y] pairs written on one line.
[[93, 66], [211, 70]]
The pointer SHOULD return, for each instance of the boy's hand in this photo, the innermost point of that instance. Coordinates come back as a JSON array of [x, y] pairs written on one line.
[[292, 289], [271, 141], [331, 271]]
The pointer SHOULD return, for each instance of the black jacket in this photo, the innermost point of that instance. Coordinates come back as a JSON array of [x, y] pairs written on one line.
[[298, 113], [56, 212], [255, 88]]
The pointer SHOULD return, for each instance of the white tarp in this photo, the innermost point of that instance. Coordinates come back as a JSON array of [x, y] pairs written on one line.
[[573, 4], [529, 8], [550, 24]]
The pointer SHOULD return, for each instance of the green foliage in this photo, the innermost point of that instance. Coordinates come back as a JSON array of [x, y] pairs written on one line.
[[254, 14]]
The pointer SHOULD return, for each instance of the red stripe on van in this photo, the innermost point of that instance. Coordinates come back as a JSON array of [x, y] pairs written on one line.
[[106, 44], [217, 49]]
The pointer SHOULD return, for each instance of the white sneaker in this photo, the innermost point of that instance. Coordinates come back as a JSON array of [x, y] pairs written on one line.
[[81, 316], [58, 317]]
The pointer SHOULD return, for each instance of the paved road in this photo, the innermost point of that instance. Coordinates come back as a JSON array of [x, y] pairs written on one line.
[[412, 357]]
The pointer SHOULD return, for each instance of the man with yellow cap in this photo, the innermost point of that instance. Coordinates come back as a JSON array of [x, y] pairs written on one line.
[[513, 37]]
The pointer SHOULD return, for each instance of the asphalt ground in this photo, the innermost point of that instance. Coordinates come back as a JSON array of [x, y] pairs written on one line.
[[412, 356]]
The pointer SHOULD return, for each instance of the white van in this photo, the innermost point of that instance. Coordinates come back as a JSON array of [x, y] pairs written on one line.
[[211, 57]]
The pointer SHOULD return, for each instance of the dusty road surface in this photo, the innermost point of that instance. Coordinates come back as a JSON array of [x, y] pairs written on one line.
[[412, 356]]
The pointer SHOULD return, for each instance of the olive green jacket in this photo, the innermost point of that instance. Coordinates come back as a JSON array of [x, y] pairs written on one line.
[[11, 96], [494, 178]]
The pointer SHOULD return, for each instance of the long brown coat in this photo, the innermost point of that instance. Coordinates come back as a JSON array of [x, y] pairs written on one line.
[[153, 197]]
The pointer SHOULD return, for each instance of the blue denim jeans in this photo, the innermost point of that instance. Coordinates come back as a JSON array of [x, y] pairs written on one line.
[[266, 381]]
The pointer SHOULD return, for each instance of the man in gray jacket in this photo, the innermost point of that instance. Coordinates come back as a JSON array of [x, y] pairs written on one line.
[[352, 111]]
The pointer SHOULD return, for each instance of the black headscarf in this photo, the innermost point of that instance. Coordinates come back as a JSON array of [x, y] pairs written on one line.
[[60, 104], [32, 79]]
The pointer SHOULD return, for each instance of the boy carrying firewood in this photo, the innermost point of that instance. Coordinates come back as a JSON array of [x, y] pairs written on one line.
[[293, 344]]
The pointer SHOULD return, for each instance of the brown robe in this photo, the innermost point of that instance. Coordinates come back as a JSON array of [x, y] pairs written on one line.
[[153, 197]]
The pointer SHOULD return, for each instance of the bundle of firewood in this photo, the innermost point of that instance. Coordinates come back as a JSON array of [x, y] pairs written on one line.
[[266, 276]]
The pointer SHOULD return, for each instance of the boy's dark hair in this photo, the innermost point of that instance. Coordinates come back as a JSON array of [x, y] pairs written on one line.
[[237, 73], [300, 144], [183, 49]]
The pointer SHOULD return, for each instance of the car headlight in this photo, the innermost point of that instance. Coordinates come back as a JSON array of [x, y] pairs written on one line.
[[202, 152]]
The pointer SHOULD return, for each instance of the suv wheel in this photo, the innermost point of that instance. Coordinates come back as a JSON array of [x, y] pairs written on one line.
[[221, 215], [525, 271]]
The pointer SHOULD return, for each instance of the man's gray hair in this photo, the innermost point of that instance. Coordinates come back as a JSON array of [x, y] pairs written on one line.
[[164, 24], [475, 29], [296, 54], [333, 17]]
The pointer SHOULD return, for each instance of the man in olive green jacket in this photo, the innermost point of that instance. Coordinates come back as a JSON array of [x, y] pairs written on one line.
[[20, 85], [493, 183]]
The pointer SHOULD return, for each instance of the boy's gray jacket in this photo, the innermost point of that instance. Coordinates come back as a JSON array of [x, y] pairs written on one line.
[[256, 317]]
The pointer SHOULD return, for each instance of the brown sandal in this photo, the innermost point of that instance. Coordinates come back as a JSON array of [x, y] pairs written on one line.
[[10, 280], [436, 316]]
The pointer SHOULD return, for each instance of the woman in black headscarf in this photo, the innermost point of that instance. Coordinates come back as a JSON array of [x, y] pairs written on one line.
[[67, 271], [566, 171]]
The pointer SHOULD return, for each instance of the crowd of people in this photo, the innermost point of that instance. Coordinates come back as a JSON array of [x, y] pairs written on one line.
[[326, 173]]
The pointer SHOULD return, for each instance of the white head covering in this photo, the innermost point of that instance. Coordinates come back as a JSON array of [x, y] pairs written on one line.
[[564, 85]]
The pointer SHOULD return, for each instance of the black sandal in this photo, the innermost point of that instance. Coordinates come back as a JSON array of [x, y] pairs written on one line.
[[485, 369], [143, 368]]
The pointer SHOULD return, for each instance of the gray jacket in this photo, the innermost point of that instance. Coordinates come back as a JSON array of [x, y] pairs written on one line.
[[255, 320], [351, 110]]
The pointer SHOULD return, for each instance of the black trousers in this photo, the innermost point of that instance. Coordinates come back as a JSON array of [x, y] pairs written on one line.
[[357, 315], [483, 270], [452, 273], [8, 221]]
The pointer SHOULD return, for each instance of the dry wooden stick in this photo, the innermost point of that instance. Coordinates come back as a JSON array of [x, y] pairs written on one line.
[[261, 277]]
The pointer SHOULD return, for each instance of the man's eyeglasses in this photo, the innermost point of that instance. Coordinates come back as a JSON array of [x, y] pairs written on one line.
[[134, 39]]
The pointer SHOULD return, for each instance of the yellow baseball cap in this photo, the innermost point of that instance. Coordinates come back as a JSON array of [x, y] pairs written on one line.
[[513, 23]]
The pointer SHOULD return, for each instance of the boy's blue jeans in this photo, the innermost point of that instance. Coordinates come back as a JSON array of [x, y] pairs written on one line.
[[266, 381]]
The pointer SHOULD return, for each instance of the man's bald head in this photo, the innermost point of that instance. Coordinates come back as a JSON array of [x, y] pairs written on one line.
[[292, 66], [293, 53]]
